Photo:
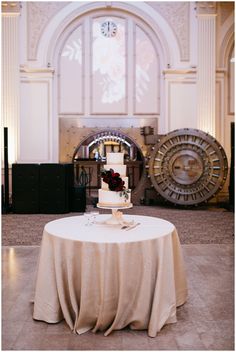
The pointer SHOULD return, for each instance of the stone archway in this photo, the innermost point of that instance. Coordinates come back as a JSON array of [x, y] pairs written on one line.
[[88, 166]]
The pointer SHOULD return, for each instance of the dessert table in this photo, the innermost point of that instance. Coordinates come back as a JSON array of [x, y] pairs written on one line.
[[105, 277]]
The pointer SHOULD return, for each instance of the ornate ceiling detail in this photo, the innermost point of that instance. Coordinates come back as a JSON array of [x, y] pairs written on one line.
[[177, 15], [38, 15]]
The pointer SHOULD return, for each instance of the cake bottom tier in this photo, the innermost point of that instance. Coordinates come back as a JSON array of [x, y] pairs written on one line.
[[112, 198]]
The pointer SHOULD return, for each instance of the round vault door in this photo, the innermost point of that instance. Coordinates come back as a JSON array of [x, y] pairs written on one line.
[[188, 166]]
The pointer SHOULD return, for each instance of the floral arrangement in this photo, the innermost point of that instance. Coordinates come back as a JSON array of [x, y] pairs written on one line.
[[115, 182]]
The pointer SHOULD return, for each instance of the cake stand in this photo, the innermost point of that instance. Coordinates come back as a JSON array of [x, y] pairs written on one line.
[[117, 216]]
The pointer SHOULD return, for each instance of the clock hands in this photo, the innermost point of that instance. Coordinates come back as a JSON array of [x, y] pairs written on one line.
[[108, 29]]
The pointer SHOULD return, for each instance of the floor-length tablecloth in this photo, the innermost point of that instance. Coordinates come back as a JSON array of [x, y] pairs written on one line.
[[101, 277]]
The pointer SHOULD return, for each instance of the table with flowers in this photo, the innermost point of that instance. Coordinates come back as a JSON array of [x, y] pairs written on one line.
[[107, 277]]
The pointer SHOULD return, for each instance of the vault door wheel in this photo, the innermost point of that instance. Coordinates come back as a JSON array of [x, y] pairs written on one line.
[[188, 166]]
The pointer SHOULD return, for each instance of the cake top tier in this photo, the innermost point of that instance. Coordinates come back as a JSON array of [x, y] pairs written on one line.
[[115, 158]]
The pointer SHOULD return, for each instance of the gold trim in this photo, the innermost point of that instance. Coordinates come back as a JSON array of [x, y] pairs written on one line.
[[114, 204]]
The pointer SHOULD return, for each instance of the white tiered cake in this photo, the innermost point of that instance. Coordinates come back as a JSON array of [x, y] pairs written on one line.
[[106, 197]]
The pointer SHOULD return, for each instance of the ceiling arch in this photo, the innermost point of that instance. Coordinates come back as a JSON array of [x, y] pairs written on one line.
[[69, 14], [226, 47]]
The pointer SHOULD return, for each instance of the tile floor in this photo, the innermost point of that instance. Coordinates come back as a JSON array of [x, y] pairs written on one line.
[[205, 322]]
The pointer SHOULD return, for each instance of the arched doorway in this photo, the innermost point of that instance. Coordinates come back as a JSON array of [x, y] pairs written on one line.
[[90, 156]]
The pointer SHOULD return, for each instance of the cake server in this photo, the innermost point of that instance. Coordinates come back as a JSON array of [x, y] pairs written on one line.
[[132, 226]]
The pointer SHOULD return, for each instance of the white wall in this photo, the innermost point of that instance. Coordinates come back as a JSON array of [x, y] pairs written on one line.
[[182, 112], [36, 123]]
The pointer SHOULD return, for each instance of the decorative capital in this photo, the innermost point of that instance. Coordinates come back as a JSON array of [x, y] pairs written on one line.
[[108, 4], [206, 7], [10, 7]]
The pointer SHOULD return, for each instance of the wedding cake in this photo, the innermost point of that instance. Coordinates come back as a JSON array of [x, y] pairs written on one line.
[[114, 186]]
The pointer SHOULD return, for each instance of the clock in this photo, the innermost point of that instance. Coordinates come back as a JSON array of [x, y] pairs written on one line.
[[108, 29]]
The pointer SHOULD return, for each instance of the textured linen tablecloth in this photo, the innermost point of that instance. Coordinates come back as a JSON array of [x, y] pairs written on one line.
[[101, 277]]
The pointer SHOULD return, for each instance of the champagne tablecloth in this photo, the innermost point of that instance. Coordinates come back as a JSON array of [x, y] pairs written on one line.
[[101, 277]]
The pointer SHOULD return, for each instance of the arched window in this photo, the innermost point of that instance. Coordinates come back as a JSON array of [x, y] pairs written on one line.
[[108, 65], [71, 74]]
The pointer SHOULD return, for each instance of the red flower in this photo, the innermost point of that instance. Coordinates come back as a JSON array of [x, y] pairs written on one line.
[[113, 180]]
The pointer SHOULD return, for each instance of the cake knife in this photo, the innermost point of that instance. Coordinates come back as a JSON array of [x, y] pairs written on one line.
[[132, 226]]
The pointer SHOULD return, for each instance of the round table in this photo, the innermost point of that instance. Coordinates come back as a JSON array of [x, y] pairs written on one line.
[[103, 277]]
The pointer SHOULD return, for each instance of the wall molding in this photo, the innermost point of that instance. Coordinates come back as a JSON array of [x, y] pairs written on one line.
[[26, 69], [48, 157], [179, 71], [170, 83]]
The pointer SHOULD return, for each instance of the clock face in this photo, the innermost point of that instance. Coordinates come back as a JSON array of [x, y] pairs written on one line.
[[108, 29]]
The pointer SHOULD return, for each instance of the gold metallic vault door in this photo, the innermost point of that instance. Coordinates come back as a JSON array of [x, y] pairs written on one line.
[[188, 166]]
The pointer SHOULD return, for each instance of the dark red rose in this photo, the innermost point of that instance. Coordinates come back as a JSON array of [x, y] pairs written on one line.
[[113, 180]]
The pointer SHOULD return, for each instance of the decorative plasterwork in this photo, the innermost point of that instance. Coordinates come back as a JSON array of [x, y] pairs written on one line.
[[177, 14], [206, 7], [10, 7], [38, 15]]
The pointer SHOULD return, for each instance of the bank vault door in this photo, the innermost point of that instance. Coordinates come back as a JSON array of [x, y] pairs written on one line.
[[188, 166]]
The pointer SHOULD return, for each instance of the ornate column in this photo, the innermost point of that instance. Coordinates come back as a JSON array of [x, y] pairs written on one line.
[[206, 66], [10, 74]]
